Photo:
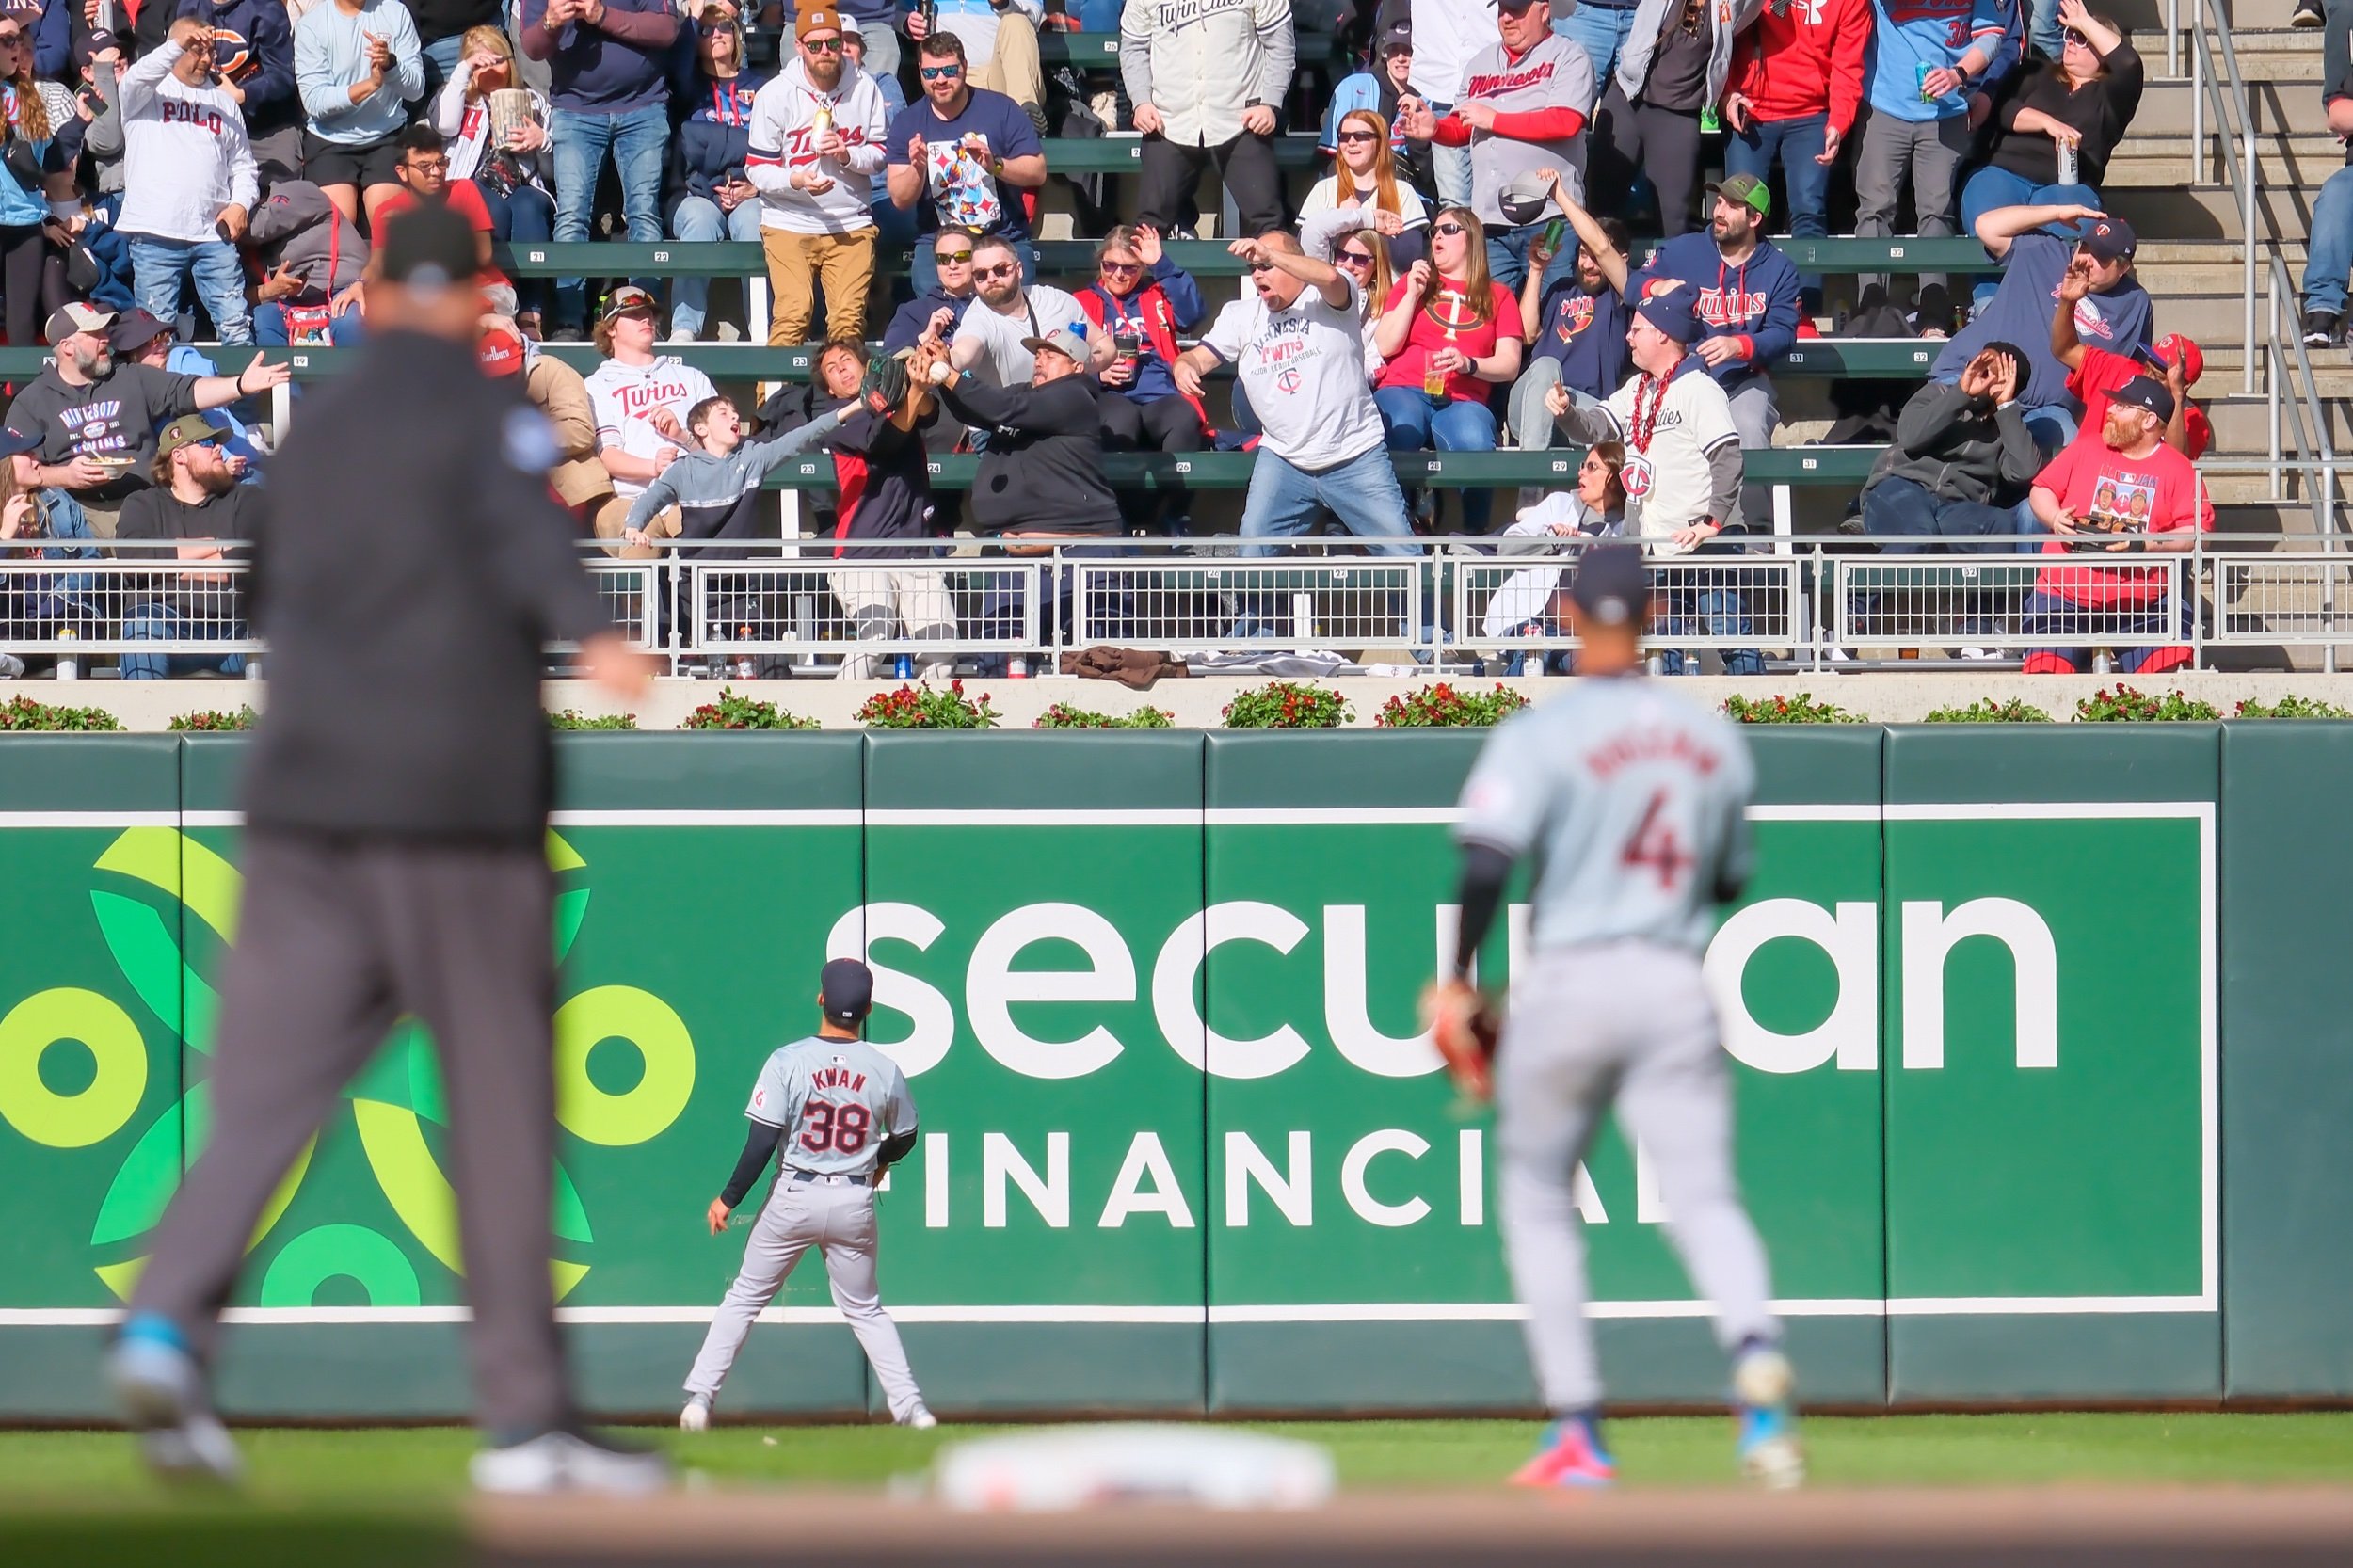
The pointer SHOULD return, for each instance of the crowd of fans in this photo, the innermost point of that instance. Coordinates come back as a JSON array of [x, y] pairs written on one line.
[[1461, 275]]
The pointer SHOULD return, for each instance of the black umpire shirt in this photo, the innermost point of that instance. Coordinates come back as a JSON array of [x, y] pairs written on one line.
[[410, 566]]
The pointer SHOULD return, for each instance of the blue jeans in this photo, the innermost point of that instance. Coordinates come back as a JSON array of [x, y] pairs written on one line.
[[2042, 29], [1601, 32], [1795, 144], [2053, 426], [1362, 492], [2331, 248], [159, 268], [1713, 612], [638, 143], [522, 216], [441, 57], [1098, 16], [1449, 166], [1507, 256], [162, 622], [1989, 187], [2064, 627], [1416, 424], [346, 331], [698, 217]]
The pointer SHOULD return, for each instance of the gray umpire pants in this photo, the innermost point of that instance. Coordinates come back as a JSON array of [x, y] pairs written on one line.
[[338, 939], [836, 1216], [1627, 1023]]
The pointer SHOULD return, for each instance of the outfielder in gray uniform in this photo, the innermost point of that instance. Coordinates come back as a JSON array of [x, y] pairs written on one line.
[[834, 1114], [1632, 804]]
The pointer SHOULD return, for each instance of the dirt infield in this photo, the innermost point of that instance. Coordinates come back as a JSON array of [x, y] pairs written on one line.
[[2157, 1528]]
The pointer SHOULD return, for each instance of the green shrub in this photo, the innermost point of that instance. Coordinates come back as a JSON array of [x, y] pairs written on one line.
[[2293, 707], [2127, 706], [925, 707], [216, 718], [572, 718], [1288, 705], [745, 712], [1442, 707], [23, 713], [1062, 716], [1986, 711], [1801, 708]]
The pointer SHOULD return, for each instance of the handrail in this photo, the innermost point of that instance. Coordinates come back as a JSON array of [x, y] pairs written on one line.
[[2242, 179]]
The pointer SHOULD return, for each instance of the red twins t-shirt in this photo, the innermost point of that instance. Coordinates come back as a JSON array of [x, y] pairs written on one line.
[[465, 200], [1473, 340], [2158, 493], [2103, 371]]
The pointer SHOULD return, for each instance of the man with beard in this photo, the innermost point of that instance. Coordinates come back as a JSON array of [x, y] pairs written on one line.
[[817, 141], [96, 419], [960, 157], [197, 506], [992, 340], [1745, 292], [1577, 326]]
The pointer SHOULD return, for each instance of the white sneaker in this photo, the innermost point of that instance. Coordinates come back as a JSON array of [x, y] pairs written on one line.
[[695, 1416], [566, 1462], [920, 1420], [1981, 653], [679, 334], [161, 1390]]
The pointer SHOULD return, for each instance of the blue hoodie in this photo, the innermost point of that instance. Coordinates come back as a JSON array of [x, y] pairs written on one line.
[[717, 134], [1756, 300]]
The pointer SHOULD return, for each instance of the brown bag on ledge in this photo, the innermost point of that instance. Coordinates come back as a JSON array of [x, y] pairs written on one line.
[[1132, 668]]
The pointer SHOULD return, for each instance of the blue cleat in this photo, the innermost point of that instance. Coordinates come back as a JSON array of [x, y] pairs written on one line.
[[1571, 1455], [161, 1389], [1769, 1449]]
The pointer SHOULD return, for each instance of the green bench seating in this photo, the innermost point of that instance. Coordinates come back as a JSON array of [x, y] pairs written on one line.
[[1100, 50], [1230, 471]]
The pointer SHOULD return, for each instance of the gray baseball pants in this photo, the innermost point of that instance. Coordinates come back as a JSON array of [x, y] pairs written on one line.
[[836, 1217], [1627, 1023], [338, 937]]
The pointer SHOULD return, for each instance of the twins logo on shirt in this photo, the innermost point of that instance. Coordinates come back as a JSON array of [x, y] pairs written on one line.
[[2089, 323], [1636, 476], [96, 427], [1722, 307], [1508, 81], [641, 400], [1574, 315]]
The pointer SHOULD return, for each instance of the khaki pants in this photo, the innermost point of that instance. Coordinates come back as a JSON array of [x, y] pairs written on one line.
[[1013, 69], [845, 262], [877, 599], [612, 518]]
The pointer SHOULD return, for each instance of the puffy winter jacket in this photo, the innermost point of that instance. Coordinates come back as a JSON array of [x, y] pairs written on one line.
[[1202, 62]]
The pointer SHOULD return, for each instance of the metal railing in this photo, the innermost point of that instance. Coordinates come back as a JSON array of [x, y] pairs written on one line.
[[1794, 603], [2230, 103]]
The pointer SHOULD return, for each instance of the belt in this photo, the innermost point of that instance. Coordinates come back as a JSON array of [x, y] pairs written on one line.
[[831, 1178]]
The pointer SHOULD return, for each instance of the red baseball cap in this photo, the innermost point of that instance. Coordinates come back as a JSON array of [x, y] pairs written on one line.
[[2174, 348], [501, 353]]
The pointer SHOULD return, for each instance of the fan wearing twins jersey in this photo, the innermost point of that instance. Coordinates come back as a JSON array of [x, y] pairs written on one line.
[[1631, 803], [834, 1113]]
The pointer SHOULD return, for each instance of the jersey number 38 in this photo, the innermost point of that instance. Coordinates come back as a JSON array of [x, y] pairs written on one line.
[[840, 1129]]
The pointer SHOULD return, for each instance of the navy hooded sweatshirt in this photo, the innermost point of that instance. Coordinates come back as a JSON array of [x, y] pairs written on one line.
[[1755, 301]]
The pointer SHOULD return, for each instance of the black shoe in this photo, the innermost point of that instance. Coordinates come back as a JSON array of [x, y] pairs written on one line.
[[2320, 329], [2307, 14]]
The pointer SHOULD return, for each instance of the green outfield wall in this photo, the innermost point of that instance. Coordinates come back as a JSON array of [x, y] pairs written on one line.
[[2042, 1036]]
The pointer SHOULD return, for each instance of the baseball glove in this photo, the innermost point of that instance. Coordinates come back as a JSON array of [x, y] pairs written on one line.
[[1464, 1027], [885, 384]]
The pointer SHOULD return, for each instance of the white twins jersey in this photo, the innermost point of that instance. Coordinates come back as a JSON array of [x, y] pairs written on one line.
[[1634, 803], [836, 1101], [623, 397], [1669, 487]]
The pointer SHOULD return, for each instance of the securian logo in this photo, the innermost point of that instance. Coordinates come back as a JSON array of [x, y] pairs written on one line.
[[397, 1105]]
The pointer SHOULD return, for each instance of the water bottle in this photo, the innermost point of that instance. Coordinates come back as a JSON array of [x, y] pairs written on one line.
[[902, 668], [1018, 668]]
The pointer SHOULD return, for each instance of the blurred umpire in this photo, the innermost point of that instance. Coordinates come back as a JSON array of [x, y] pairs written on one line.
[[409, 572]]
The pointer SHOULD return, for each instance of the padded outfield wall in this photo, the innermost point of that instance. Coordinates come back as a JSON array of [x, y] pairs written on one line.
[[2041, 1040]]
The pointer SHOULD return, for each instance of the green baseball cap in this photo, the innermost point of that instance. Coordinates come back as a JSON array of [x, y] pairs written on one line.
[[1748, 190]]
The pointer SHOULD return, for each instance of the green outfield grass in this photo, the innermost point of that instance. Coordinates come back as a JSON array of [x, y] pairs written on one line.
[[419, 1472]]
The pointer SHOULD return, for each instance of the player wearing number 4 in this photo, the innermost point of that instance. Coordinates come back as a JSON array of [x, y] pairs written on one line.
[[1632, 805], [840, 1113]]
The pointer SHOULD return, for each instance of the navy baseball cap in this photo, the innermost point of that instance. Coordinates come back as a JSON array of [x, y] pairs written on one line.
[[848, 990], [1612, 585], [2145, 392], [15, 443], [1669, 311], [2111, 239]]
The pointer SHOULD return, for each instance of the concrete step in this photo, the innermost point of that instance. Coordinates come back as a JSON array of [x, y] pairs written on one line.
[[2181, 212], [2295, 158], [2289, 102], [2242, 425]]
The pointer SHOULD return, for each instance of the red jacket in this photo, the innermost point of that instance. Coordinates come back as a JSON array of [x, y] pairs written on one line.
[[1807, 59]]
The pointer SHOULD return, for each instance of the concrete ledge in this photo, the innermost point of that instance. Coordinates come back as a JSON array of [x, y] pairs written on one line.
[[1899, 696]]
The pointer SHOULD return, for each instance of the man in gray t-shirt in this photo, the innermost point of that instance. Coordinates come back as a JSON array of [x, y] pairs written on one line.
[[834, 1114], [1633, 804]]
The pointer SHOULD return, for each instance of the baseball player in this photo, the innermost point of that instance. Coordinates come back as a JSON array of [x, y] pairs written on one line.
[[1631, 803], [835, 1114]]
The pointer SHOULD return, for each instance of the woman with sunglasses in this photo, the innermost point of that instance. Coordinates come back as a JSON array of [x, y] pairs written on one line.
[[713, 200], [1142, 299], [35, 188], [1365, 177], [1449, 336], [2073, 110], [512, 175], [1522, 604]]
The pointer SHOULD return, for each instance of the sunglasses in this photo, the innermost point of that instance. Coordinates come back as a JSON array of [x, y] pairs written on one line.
[[1358, 135], [821, 46], [1448, 228], [9, 41], [1355, 258], [1123, 267], [944, 257], [1011, 269], [2075, 36], [1262, 266], [941, 73]]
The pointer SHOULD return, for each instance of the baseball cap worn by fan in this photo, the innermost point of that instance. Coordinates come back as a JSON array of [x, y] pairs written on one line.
[[187, 430], [1745, 190], [627, 298], [2111, 239], [2144, 391], [818, 19], [847, 989], [16, 444], [1611, 586], [136, 328], [427, 248], [1669, 311], [79, 316], [1063, 340], [501, 353], [1399, 39]]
